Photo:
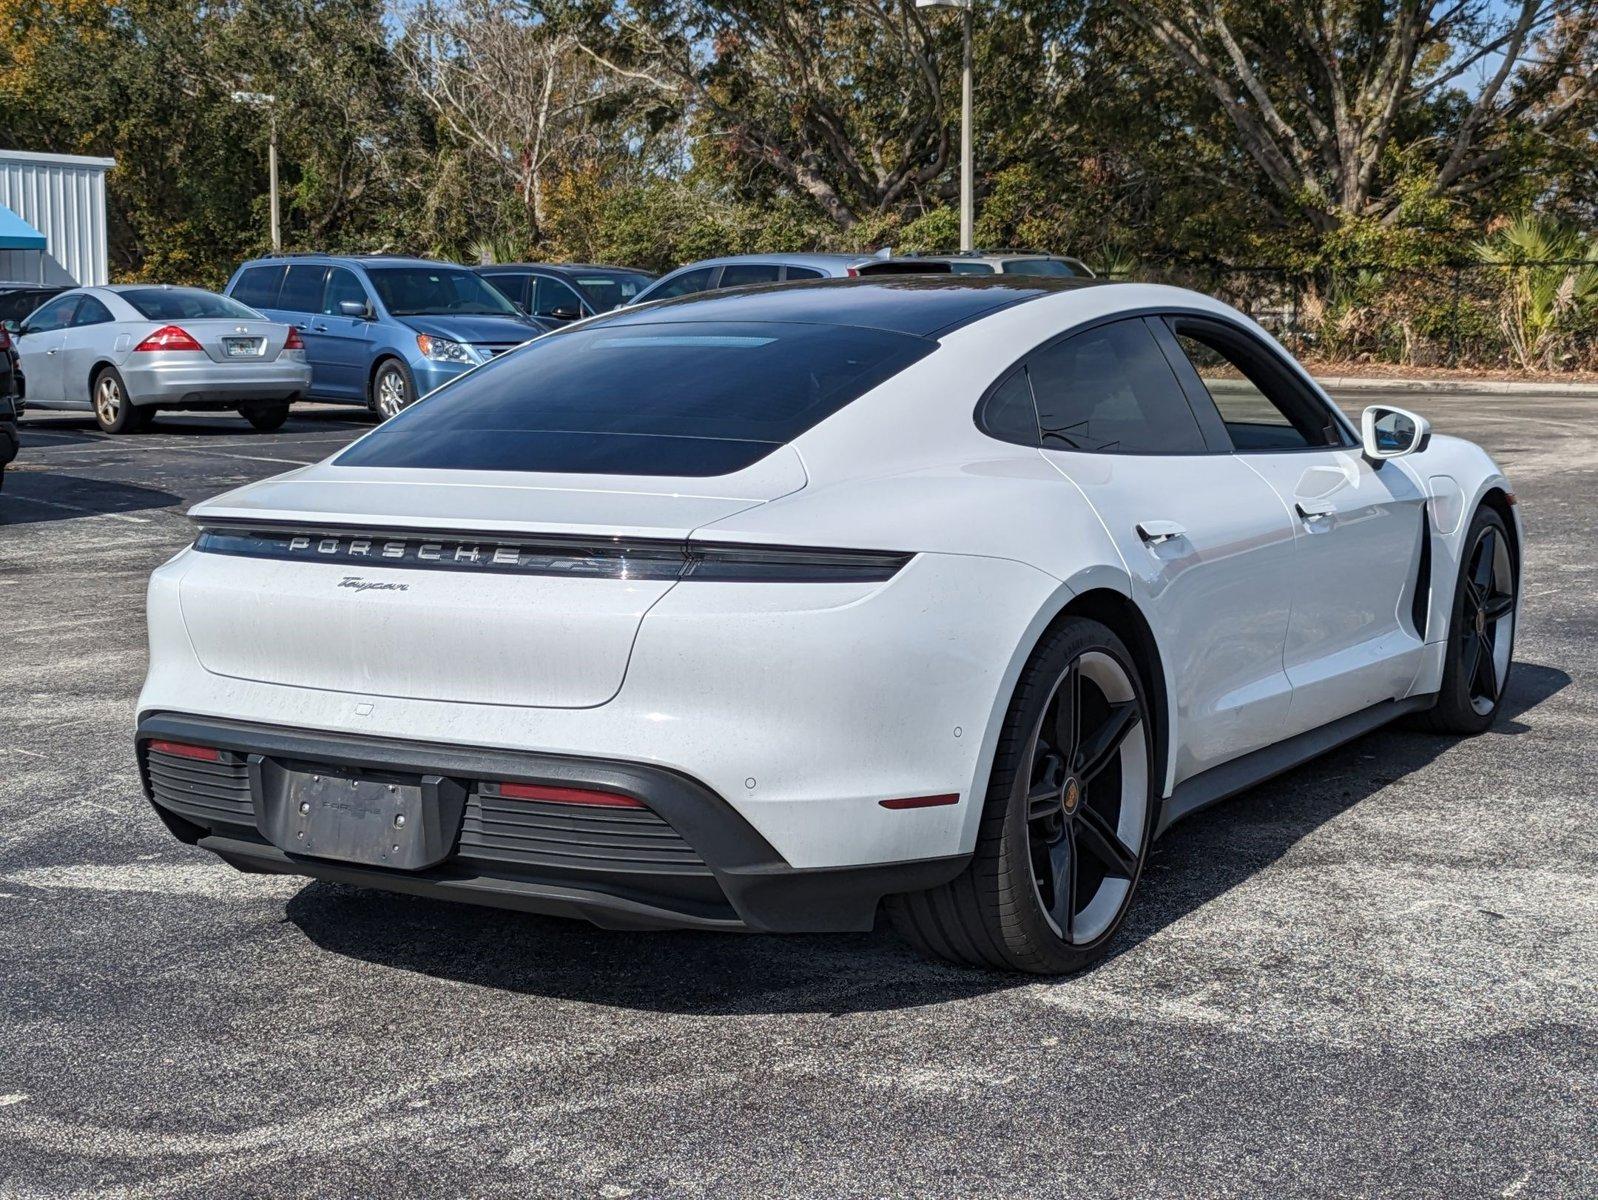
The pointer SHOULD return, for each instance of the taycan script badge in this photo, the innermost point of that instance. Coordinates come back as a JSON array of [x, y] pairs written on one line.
[[371, 585]]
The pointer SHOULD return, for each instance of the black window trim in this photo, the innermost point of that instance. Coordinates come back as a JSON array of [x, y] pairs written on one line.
[[1287, 372], [1217, 440]]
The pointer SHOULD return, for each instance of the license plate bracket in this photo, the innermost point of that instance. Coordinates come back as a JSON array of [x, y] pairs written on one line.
[[403, 822]]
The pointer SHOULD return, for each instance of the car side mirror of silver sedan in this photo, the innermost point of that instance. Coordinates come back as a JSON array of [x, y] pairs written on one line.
[[1388, 432]]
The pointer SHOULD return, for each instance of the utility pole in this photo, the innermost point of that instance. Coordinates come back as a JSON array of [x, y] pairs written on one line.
[[269, 102], [967, 169]]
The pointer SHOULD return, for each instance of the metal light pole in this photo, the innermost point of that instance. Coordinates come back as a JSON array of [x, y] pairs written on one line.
[[268, 102], [967, 179]]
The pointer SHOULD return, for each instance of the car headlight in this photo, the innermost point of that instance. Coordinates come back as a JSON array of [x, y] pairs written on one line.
[[444, 350]]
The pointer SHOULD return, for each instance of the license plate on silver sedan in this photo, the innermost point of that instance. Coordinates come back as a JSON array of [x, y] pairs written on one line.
[[243, 347]]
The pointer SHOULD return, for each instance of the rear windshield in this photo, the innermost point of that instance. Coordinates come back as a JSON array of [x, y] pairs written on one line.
[[689, 398], [172, 304]]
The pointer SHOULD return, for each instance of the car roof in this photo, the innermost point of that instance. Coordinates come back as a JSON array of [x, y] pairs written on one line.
[[532, 266], [799, 260], [351, 260], [921, 305]]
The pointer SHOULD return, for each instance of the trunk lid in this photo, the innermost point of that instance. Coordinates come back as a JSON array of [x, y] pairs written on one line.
[[263, 339], [436, 621]]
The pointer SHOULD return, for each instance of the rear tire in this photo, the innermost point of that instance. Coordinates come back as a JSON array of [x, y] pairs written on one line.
[[267, 417], [113, 411], [1481, 632], [1066, 823]]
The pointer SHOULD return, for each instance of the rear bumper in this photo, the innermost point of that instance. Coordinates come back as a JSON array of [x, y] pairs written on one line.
[[702, 867], [178, 383]]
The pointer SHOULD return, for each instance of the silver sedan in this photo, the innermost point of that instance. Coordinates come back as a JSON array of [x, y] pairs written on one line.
[[125, 351]]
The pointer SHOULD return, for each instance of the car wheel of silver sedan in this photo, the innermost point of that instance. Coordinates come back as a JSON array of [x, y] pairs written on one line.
[[391, 390], [113, 411]]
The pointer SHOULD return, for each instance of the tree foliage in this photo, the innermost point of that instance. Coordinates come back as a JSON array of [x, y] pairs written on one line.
[[1304, 132]]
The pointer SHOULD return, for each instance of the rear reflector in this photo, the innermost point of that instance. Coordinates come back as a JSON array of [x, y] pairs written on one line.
[[920, 801], [184, 750], [566, 795]]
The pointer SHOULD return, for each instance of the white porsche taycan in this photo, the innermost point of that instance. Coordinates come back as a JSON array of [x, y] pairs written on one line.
[[773, 608]]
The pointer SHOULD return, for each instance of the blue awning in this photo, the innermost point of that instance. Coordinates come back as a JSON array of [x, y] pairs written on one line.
[[17, 234]]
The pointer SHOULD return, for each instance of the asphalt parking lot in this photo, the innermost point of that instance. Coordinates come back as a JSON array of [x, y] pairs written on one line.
[[1375, 976]]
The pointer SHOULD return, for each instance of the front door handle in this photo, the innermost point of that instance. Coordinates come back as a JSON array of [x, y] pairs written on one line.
[[1155, 532], [321, 329], [52, 349], [1313, 511]]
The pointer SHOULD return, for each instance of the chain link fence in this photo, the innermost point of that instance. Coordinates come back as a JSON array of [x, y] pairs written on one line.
[[1537, 317]]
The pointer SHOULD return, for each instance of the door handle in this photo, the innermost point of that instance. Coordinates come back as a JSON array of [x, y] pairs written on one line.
[[1155, 532], [321, 329], [52, 349], [1313, 511], [298, 326]]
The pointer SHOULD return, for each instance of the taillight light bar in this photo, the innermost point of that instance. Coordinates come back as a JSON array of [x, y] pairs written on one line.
[[586, 797], [577, 557], [294, 341], [186, 750], [168, 337]]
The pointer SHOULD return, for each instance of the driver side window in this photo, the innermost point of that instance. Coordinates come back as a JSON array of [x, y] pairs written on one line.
[[55, 315], [1258, 401]]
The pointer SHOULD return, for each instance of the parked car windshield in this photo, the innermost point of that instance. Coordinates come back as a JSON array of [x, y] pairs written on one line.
[[437, 291], [173, 304], [606, 291], [682, 398]]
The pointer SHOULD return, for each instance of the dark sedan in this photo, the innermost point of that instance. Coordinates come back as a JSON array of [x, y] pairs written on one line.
[[568, 292]]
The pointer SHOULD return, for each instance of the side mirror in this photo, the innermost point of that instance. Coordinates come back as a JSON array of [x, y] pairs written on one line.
[[1392, 432], [565, 313], [354, 308], [14, 328]]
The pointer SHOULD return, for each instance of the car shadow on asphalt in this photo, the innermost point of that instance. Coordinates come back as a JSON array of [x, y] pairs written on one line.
[[33, 497], [734, 974]]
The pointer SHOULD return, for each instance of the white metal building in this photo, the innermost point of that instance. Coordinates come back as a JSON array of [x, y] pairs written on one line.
[[62, 196]]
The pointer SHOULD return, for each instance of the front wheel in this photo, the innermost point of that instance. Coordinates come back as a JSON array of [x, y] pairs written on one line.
[[1066, 822], [391, 390], [113, 411], [1481, 631]]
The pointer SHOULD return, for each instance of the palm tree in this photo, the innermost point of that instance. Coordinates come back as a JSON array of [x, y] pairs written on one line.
[[1551, 282]]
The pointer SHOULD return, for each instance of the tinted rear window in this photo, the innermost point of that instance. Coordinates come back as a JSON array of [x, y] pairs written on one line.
[[172, 304], [688, 398]]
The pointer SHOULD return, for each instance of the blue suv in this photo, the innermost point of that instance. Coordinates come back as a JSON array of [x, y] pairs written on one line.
[[381, 331]]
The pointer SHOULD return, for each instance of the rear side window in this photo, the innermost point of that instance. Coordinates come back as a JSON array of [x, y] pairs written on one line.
[[742, 274], [513, 287], [302, 288], [258, 286], [1110, 390], [803, 273], [91, 312], [174, 304], [690, 398]]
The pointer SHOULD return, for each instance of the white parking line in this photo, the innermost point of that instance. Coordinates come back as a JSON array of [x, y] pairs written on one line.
[[87, 512]]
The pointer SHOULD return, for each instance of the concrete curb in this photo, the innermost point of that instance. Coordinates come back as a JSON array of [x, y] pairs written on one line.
[[1471, 387]]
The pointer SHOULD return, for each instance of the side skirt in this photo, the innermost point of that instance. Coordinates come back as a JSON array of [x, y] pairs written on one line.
[[1240, 774]]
